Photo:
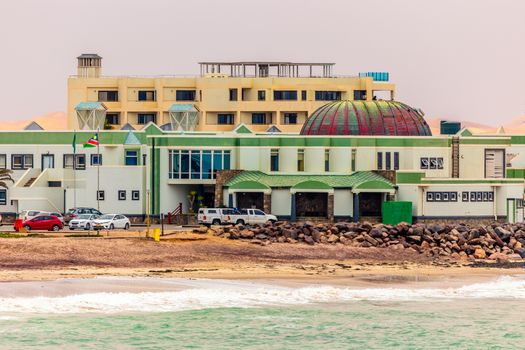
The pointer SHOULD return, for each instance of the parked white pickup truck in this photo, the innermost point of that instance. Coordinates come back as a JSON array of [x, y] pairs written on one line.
[[218, 216], [251, 217], [214, 216]]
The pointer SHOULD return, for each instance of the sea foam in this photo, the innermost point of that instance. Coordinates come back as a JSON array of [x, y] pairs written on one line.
[[202, 294]]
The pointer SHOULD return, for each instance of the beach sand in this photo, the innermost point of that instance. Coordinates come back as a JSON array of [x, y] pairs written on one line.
[[196, 256]]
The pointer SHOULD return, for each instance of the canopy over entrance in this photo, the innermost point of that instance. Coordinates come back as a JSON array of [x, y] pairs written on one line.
[[183, 117], [361, 181], [91, 115]]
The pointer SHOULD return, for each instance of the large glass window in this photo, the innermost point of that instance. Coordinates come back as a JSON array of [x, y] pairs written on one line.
[[197, 164], [147, 95], [132, 157], [3, 197], [185, 95], [107, 96], [274, 160], [327, 95], [388, 161], [396, 160], [285, 95]]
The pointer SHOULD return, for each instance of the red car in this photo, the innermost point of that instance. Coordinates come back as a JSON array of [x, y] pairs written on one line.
[[43, 222]]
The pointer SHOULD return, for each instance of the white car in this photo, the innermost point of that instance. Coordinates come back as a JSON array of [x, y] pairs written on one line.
[[83, 221], [111, 221], [28, 214]]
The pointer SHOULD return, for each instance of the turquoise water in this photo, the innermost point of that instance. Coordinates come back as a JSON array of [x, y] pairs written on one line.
[[425, 324]]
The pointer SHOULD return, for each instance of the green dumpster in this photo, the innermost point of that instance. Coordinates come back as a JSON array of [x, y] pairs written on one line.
[[395, 212]]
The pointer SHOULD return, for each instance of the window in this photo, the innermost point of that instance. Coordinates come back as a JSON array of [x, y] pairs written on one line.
[[327, 95], [285, 95], [107, 96], [225, 118], [233, 94], [132, 157], [274, 159], [387, 161], [150, 95], [3, 197], [396, 160], [21, 161], [303, 95], [431, 163], [145, 118], [70, 162], [3, 161], [96, 159], [326, 160], [113, 118], [464, 196], [185, 95], [197, 164], [261, 95], [121, 195], [494, 163], [359, 95], [100, 195], [290, 118], [135, 195], [430, 196], [300, 160], [259, 118], [54, 183], [379, 160]]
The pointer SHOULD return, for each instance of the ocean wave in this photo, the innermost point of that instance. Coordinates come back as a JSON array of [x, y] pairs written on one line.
[[204, 294]]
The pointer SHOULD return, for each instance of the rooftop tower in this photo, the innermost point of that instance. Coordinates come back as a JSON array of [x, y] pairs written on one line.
[[89, 65]]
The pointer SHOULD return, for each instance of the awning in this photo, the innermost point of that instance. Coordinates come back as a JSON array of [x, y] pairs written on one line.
[[361, 181]]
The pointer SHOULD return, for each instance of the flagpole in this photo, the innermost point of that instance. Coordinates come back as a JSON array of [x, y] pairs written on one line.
[[98, 169], [74, 170]]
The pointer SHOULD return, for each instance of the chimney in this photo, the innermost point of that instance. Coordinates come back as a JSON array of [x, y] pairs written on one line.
[[89, 65]]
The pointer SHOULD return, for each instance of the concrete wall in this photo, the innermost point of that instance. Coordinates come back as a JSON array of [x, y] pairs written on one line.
[[281, 202]]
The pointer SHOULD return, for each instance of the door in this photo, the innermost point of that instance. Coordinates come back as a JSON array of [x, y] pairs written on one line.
[[48, 161], [258, 216]]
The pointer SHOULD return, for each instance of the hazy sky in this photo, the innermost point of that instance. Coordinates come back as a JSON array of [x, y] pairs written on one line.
[[451, 58]]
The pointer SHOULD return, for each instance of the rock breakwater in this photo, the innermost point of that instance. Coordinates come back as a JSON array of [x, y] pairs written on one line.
[[460, 241]]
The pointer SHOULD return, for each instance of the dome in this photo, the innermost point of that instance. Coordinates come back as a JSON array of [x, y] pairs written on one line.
[[377, 117]]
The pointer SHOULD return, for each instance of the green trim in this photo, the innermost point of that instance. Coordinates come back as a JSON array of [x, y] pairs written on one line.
[[242, 129], [360, 179], [480, 181], [485, 141], [515, 173], [409, 178]]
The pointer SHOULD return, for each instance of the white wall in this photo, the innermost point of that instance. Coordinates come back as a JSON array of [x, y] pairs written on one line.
[[343, 203], [281, 202]]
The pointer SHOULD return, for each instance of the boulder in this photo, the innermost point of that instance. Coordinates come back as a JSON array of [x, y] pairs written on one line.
[[479, 254]]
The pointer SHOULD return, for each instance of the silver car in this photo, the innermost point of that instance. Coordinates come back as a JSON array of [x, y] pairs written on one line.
[[83, 222]]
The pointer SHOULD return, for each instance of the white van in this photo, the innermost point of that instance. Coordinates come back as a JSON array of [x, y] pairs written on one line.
[[251, 217]]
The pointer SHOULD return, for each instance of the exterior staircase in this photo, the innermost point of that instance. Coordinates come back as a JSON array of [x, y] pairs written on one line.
[[455, 157], [30, 182]]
